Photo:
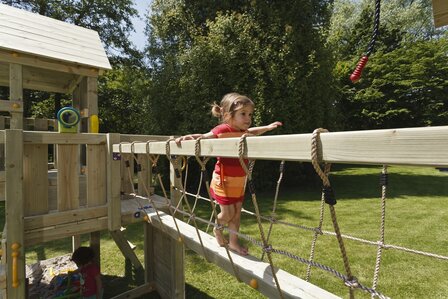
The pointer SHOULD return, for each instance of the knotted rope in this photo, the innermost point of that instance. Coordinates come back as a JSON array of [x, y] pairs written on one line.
[[267, 248], [329, 198], [202, 162]]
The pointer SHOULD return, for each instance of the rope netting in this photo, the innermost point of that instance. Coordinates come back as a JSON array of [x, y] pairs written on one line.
[[183, 208]]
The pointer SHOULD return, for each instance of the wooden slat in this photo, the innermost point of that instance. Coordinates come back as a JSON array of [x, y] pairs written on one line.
[[52, 219], [35, 169], [11, 106], [40, 124], [64, 230], [69, 138], [411, 146], [68, 177], [96, 175]]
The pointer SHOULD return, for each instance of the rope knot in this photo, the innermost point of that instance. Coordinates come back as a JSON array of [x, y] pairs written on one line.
[[329, 195], [273, 218], [268, 248], [352, 282], [241, 155], [384, 179]]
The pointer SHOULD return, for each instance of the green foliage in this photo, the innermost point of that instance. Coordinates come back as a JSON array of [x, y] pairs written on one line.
[[273, 52], [404, 82], [120, 104], [403, 88]]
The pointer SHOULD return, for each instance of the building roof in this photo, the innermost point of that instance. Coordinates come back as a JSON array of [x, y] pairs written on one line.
[[30, 33]]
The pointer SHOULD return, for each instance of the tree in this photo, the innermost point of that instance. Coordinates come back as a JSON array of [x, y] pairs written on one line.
[[271, 51], [121, 105], [406, 87], [401, 84]]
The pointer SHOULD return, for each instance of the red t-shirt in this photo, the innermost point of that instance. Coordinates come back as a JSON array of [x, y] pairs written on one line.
[[88, 283], [229, 178], [232, 165]]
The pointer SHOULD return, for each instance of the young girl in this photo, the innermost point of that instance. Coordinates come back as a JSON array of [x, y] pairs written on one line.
[[91, 285], [228, 180]]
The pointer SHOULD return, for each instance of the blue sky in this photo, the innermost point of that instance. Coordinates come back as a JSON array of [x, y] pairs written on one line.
[[138, 37]]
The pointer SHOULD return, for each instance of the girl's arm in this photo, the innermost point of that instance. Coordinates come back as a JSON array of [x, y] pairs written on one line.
[[195, 136], [264, 129]]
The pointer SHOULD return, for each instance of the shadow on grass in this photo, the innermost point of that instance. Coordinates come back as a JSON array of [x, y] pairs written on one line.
[[115, 285]]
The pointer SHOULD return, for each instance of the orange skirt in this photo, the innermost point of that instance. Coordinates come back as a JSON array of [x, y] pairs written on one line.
[[227, 190]]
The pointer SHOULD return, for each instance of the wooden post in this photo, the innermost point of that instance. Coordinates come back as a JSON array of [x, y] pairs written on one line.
[[177, 247], [16, 285], [16, 93], [148, 250], [113, 183]]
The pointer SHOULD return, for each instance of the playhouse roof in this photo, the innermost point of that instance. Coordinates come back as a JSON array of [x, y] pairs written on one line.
[[31, 33], [55, 55]]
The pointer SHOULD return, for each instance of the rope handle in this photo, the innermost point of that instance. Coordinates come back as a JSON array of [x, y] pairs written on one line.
[[356, 75]]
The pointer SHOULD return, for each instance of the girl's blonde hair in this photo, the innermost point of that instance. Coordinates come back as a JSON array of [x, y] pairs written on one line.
[[230, 103]]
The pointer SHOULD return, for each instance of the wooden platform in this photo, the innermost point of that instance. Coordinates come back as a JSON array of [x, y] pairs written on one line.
[[249, 267], [52, 226]]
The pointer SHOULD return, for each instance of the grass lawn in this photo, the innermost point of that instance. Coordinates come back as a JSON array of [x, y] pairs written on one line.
[[416, 217]]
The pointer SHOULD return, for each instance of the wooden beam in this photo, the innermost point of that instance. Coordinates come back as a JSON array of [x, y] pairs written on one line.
[[56, 232], [424, 146], [74, 83], [66, 217], [11, 106], [44, 63], [68, 138], [440, 12], [125, 248], [248, 267]]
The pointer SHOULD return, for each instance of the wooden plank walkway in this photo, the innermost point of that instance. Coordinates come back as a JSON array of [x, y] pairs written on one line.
[[248, 267]]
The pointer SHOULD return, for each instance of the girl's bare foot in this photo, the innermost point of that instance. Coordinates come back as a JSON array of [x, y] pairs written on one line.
[[219, 237], [241, 250]]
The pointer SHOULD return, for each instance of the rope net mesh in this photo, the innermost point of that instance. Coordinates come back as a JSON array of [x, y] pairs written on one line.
[[192, 214]]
